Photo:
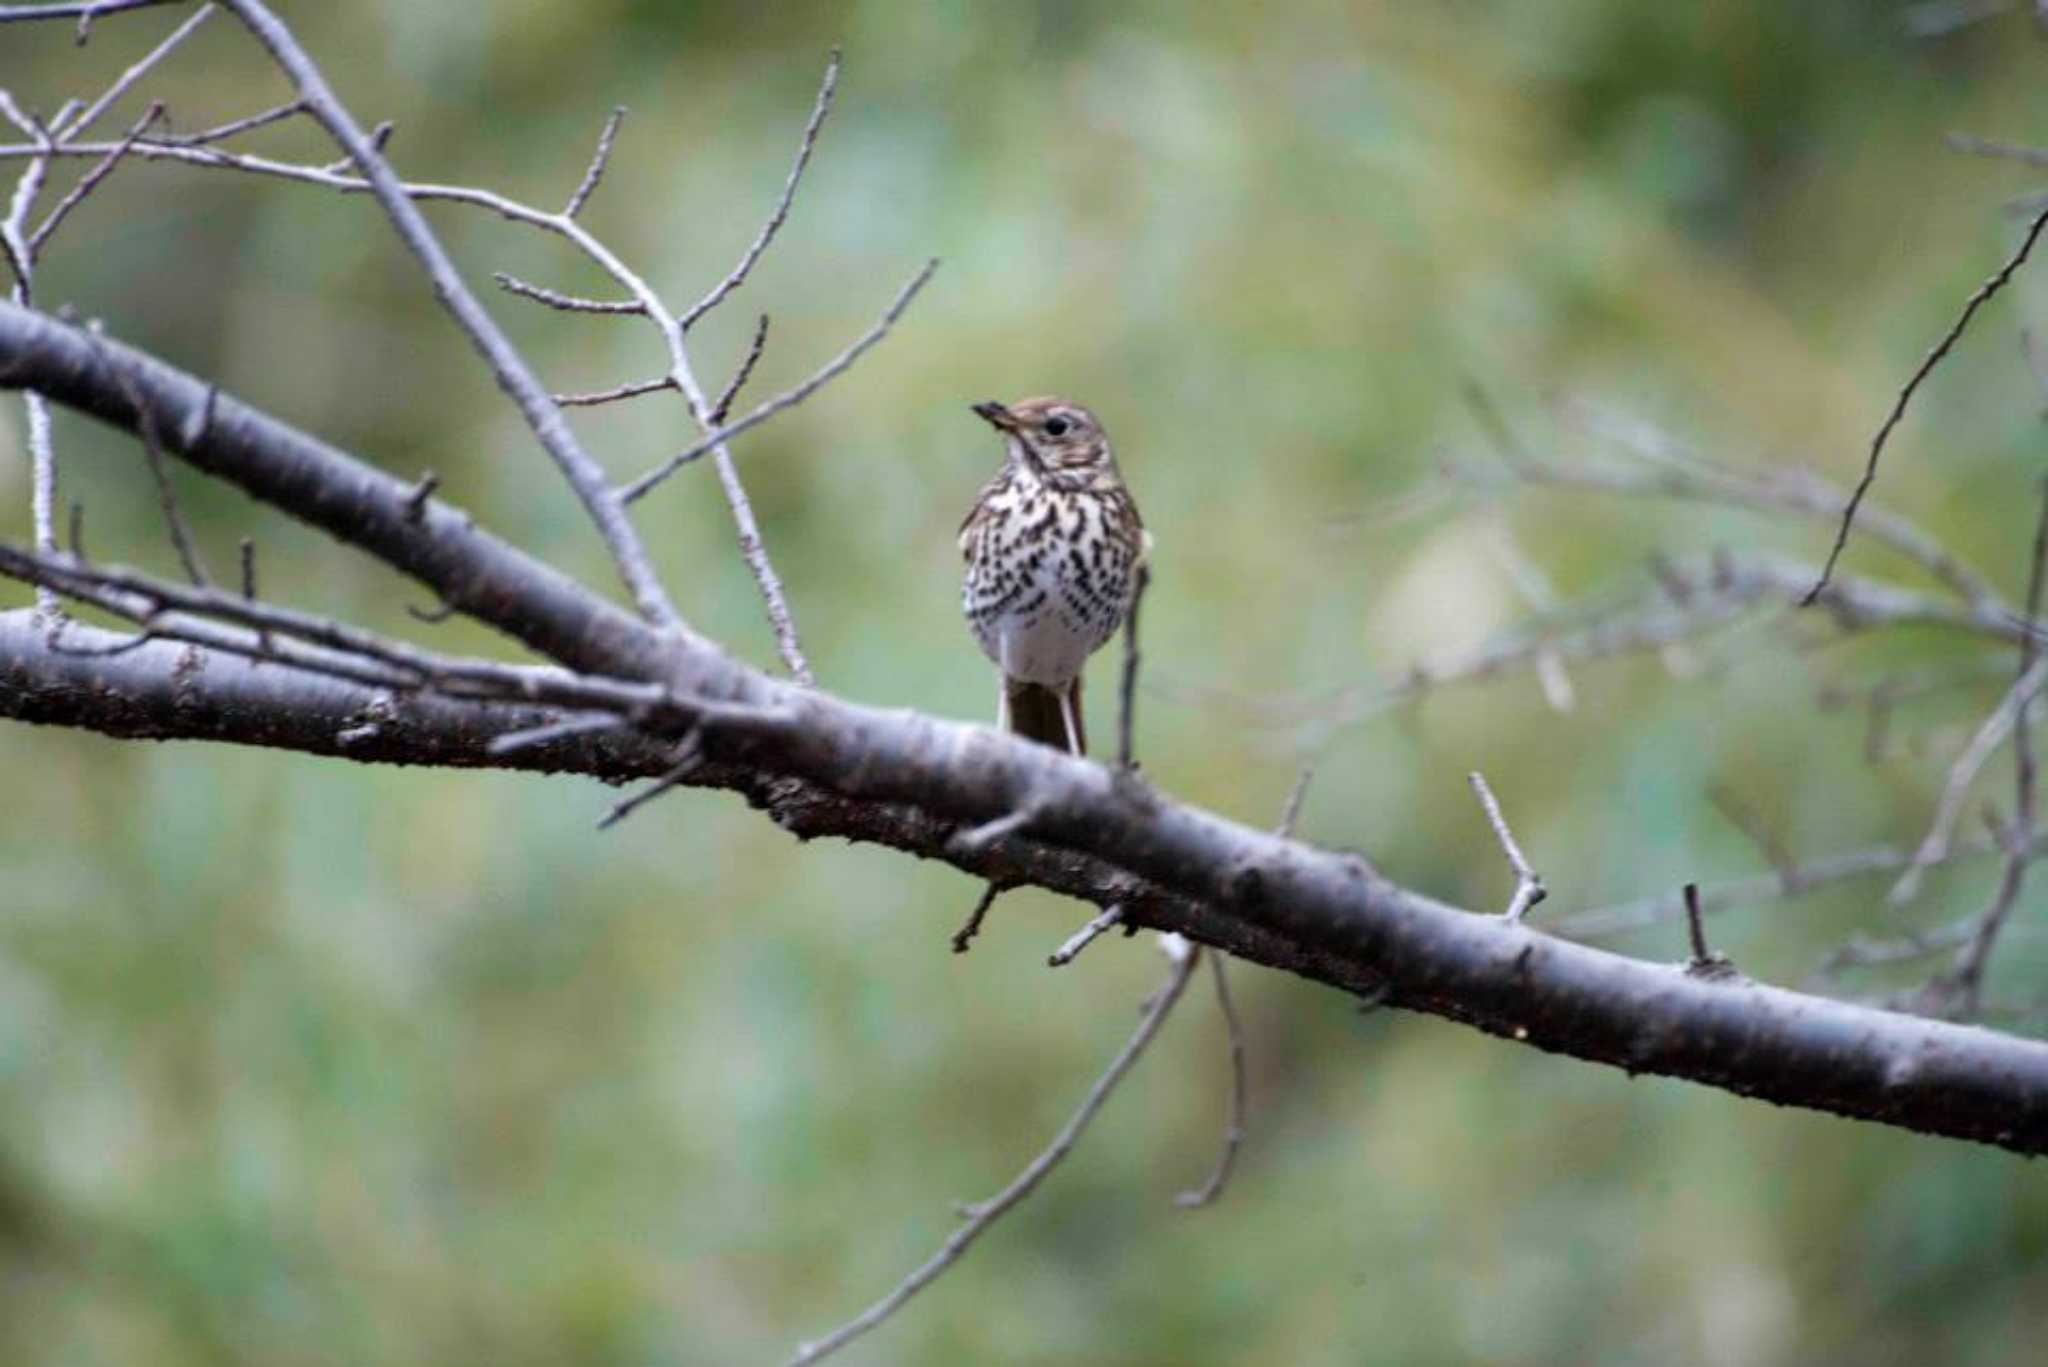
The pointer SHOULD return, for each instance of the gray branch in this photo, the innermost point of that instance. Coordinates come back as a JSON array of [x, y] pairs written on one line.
[[819, 765]]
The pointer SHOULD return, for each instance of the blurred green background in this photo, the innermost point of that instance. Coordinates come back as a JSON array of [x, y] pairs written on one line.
[[307, 1063]]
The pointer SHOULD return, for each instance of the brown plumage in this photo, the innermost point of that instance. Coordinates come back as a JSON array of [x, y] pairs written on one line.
[[1053, 544]]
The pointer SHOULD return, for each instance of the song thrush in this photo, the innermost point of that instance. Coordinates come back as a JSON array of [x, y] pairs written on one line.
[[1053, 546]]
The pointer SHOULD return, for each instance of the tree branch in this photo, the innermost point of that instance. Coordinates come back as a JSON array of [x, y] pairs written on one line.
[[822, 766], [584, 474]]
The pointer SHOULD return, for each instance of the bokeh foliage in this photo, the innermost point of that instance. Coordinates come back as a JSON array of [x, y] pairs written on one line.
[[305, 1063]]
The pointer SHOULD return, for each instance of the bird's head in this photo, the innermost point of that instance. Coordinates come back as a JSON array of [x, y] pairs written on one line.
[[1051, 434]]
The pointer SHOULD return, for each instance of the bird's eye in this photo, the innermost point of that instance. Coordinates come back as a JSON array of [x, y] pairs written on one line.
[[1057, 427]]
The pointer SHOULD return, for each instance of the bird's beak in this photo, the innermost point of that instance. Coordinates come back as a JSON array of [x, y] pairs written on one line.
[[996, 415]]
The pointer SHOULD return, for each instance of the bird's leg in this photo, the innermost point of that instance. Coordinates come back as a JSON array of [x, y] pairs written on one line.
[[1069, 720]]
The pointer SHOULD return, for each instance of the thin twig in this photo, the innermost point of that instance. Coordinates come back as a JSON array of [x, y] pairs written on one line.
[[1108, 919], [1704, 962], [1759, 832], [1779, 487], [67, 129], [1985, 291], [789, 398], [511, 742], [963, 938], [1990, 734], [1620, 918], [181, 536], [979, 1216], [689, 753], [233, 127], [1126, 757], [598, 160], [422, 490], [248, 549], [989, 832], [90, 181], [1966, 977], [569, 303], [738, 275], [1296, 796], [740, 376], [1992, 147], [630, 390], [1529, 889], [1234, 1127], [19, 249], [84, 10]]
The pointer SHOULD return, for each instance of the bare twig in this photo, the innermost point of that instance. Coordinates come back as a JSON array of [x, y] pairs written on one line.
[[233, 127], [514, 741], [1695, 599], [741, 375], [422, 490], [598, 160], [1776, 487], [569, 303], [738, 275], [1107, 919], [789, 398], [1529, 889], [963, 938], [82, 10], [248, 549], [1704, 962], [159, 470], [68, 129], [977, 1218], [1620, 918], [1290, 814], [689, 754], [631, 390], [1739, 815], [90, 181], [1985, 291], [1992, 147], [1965, 979], [585, 476], [1127, 693], [380, 138], [1989, 736], [989, 832], [1234, 1127], [18, 246]]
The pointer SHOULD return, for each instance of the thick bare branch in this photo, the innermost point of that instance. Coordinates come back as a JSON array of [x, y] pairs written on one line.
[[820, 765]]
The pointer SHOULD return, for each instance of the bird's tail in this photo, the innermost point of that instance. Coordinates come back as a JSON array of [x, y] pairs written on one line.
[[1042, 713]]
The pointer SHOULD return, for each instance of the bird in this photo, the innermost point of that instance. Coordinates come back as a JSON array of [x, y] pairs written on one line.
[[1054, 549]]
